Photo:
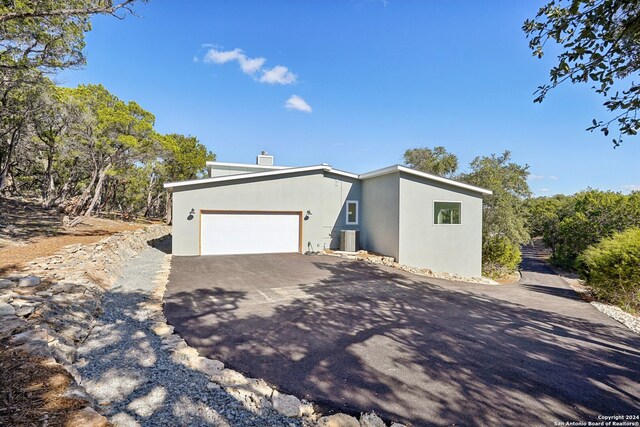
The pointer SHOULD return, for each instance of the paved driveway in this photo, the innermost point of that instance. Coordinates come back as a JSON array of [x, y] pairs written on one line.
[[357, 337]]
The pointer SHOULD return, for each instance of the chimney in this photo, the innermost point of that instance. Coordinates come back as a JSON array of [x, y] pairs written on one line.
[[264, 159]]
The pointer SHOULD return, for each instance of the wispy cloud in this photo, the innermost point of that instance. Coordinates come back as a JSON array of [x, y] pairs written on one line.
[[534, 177], [251, 66], [631, 187], [544, 190], [298, 104]]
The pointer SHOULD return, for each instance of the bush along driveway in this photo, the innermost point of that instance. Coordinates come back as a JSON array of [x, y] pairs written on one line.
[[352, 336]]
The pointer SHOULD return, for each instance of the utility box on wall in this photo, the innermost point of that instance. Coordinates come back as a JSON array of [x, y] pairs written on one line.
[[349, 240]]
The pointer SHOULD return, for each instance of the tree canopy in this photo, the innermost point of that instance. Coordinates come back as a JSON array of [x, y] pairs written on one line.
[[599, 42], [436, 160], [85, 150]]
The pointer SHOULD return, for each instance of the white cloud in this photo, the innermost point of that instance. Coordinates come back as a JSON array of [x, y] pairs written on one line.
[[298, 104], [247, 65], [631, 187], [278, 75], [221, 56], [196, 59], [533, 177], [251, 66], [544, 190], [552, 177]]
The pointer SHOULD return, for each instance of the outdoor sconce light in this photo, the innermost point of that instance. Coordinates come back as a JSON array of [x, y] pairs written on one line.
[[306, 217], [309, 212], [191, 214]]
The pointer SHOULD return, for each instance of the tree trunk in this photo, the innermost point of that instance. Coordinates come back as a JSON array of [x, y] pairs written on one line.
[[66, 188], [48, 186], [4, 172], [98, 191], [86, 193], [169, 208], [152, 179]]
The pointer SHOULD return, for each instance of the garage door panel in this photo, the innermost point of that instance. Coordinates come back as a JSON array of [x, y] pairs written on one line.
[[249, 233]]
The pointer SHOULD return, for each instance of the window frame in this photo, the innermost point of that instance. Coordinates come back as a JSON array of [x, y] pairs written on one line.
[[445, 201], [347, 222]]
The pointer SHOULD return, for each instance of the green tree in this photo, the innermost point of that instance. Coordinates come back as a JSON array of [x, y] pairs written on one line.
[[542, 212], [184, 158], [599, 42], [503, 218], [112, 135], [48, 34], [586, 218], [436, 160]]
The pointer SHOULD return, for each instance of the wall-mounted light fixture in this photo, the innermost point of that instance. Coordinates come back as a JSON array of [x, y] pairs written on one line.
[[191, 214], [309, 212]]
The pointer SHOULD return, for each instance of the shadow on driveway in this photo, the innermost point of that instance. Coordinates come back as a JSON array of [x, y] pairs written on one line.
[[359, 337]]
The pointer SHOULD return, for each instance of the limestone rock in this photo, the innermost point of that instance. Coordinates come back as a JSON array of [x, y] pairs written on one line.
[[229, 377], [10, 324], [87, 417], [286, 404], [24, 311], [206, 366], [397, 425], [338, 420], [6, 309], [371, 420], [250, 400], [78, 393], [29, 281], [6, 284], [162, 329]]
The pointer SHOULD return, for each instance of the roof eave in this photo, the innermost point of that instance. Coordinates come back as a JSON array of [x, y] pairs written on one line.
[[399, 168], [239, 177]]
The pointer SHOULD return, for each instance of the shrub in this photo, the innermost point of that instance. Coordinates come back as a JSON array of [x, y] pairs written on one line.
[[584, 219], [499, 257], [612, 268]]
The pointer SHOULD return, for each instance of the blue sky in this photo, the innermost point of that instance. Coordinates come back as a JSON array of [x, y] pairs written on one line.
[[378, 76]]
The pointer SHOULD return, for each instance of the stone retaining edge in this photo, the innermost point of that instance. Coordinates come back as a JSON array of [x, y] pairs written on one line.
[[50, 311]]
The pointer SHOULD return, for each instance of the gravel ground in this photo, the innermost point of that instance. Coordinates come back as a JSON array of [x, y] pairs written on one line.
[[133, 379], [630, 321]]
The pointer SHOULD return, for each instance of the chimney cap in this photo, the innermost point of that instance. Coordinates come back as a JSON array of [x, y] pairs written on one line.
[[264, 159]]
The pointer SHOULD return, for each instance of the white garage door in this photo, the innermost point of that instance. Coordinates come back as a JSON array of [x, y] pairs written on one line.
[[249, 233]]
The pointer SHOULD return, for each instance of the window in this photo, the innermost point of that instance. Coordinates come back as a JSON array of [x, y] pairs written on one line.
[[447, 212], [352, 212]]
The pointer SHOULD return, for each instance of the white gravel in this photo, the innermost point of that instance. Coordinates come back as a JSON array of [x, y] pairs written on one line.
[[133, 379], [629, 320]]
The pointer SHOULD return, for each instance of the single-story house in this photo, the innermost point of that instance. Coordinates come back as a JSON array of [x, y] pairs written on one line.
[[421, 220]]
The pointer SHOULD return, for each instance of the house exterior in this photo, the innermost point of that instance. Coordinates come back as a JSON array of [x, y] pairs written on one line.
[[420, 219]]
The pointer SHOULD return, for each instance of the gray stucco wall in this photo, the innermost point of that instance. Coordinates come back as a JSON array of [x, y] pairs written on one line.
[[380, 214], [439, 247], [324, 196]]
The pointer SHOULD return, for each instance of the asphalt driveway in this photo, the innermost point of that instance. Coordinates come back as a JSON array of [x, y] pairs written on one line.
[[359, 337]]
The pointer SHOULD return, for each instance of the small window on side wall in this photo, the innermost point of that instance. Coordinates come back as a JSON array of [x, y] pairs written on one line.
[[447, 212], [352, 212]]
